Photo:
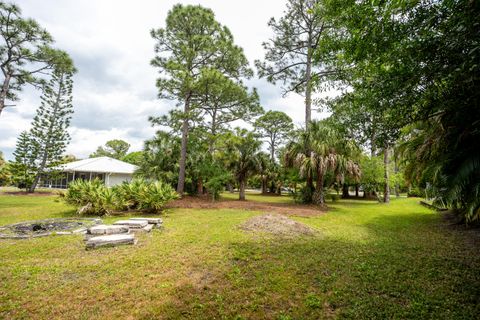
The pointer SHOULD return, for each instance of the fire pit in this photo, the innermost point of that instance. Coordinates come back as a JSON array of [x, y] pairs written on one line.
[[41, 228]]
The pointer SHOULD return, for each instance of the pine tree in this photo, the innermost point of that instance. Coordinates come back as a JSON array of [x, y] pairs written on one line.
[[23, 169], [191, 42], [49, 136]]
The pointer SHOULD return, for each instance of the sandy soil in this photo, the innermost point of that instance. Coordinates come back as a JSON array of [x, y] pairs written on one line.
[[277, 225]]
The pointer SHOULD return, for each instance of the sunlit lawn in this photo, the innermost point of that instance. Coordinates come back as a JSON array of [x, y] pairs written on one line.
[[371, 261], [255, 196]]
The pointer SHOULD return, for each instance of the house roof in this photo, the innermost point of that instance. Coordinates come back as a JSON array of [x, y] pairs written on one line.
[[100, 164]]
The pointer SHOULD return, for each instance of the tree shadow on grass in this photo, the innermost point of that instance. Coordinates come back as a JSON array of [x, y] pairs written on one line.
[[317, 278]]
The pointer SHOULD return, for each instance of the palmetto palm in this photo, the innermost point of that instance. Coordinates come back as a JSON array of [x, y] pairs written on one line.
[[246, 158], [316, 153]]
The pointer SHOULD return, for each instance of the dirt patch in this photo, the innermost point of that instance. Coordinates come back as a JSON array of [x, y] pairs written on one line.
[[277, 225], [280, 208]]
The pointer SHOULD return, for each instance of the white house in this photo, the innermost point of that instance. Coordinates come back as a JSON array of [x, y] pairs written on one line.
[[109, 170]]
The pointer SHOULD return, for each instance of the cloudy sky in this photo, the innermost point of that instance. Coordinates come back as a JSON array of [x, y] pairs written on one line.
[[114, 89]]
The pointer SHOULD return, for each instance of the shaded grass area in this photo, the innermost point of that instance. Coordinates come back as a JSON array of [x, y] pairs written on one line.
[[372, 261]]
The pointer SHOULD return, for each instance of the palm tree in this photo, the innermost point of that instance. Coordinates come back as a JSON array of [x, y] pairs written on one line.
[[264, 164], [246, 158], [316, 154]]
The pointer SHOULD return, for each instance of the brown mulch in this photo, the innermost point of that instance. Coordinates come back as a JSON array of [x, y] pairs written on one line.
[[280, 208], [276, 224]]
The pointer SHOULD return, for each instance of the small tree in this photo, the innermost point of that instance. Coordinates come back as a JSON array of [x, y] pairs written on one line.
[[23, 168], [245, 163], [275, 127], [116, 149], [25, 52]]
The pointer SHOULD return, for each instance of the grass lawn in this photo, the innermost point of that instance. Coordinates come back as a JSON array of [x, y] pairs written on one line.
[[370, 261], [255, 196]]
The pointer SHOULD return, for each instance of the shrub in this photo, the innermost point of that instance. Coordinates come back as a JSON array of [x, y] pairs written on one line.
[[154, 196], [216, 184], [416, 192], [93, 197]]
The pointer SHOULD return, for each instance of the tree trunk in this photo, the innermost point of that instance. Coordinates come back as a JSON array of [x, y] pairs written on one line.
[[241, 194], [397, 185], [345, 194], [230, 187], [200, 186], [4, 91], [272, 187], [386, 192], [356, 190], [264, 184], [308, 88], [318, 196], [279, 189], [183, 152], [309, 187]]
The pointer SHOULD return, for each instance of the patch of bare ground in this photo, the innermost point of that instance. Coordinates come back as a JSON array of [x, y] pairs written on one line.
[[299, 210], [276, 224]]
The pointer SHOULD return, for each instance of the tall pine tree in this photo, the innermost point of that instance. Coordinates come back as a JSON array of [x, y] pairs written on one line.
[[191, 42], [49, 136]]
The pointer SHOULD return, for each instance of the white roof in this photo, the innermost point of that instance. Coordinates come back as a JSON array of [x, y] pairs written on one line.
[[100, 164]]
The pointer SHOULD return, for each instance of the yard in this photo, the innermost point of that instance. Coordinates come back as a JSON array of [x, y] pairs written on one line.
[[368, 260]]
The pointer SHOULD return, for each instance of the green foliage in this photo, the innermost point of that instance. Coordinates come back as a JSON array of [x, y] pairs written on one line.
[[23, 168], [320, 151], [372, 173], [93, 197], [416, 192], [201, 68], [416, 65], [25, 53], [116, 149], [160, 158], [290, 52], [49, 136], [5, 172], [134, 157], [245, 161], [275, 126], [216, 184], [223, 100]]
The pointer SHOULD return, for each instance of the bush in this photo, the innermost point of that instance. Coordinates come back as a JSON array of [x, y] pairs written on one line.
[[416, 192], [216, 184], [93, 197], [304, 195]]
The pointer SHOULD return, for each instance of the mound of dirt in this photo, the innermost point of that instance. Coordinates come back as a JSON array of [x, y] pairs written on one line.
[[277, 225]]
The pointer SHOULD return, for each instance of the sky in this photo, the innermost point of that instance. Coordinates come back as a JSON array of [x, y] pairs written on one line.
[[114, 89]]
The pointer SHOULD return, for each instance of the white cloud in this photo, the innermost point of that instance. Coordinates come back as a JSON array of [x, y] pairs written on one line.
[[114, 89]]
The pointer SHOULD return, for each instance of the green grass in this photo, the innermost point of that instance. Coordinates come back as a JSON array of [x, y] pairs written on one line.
[[371, 261], [254, 196]]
